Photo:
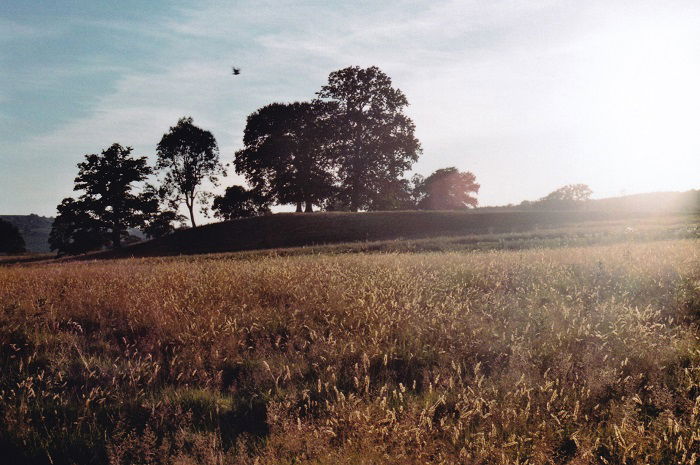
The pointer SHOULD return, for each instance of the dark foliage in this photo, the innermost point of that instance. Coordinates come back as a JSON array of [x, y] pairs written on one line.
[[11, 241], [108, 206], [569, 197], [188, 156], [447, 189], [238, 202], [74, 230], [373, 141], [286, 157], [399, 194], [162, 223]]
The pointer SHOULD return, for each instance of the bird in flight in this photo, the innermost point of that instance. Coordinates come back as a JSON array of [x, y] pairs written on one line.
[[236, 71]]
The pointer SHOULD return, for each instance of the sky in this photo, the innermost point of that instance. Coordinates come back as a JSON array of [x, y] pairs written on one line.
[[527, 95]]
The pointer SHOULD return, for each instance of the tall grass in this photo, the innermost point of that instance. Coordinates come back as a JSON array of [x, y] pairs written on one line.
[[569, 355]]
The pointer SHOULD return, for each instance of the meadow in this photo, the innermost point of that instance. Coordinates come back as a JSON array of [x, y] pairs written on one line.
[[579, 353]]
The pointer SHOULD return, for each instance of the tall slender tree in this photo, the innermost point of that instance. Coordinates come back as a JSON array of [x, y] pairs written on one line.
[[374, 140], [188, 155], [286, 158]]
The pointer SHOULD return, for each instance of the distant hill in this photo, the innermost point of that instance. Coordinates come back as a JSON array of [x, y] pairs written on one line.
[[681, 202], [651, 202], [35, 230]]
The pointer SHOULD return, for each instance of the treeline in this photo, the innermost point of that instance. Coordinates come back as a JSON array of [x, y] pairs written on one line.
[[346, 149]]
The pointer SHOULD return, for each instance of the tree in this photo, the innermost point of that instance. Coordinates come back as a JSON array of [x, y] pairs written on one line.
[[238, 202], [569, 196], [162, 223], [11, 241], [107, 181], [108, 206], [448, 189], [75, 230], [397, 195], [188, 155], [285, 158], [374, 141]]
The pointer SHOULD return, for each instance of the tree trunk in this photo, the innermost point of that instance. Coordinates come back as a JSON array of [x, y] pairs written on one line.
[[190, 207], [309, 207], [354, 199], [299, 206], [116, 238]]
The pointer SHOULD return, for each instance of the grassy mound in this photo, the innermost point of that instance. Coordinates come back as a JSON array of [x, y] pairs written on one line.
[[293, 230]]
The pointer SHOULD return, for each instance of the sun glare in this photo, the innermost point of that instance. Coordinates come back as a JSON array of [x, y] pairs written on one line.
[[645, 105]]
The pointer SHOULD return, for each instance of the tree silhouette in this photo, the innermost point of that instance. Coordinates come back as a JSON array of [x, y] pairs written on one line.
[[75, 230], [374, 141], [11, 241], [566, 197], [238, 202], [285, 158], [448, 189], [396, 195], [108, 206], [188, 155], [107, 181], [161, 223]]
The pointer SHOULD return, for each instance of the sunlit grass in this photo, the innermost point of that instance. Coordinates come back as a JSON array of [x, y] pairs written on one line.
[[566, 355]]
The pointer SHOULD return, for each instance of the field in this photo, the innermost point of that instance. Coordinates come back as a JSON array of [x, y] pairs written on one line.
[[575, 351]]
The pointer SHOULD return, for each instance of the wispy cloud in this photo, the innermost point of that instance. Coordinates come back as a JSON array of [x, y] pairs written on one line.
[[491, 83]]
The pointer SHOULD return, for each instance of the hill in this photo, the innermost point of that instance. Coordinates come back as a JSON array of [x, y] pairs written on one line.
[[688, 201], [298, 229], [650, 202], [35, 230]]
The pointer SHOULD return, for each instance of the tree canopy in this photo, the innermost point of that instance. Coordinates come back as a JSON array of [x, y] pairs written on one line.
[[188, 155], [447, 189], [373, 140], [238, 202], [286, 158], [114, 198], [75, 230], [11, 240], [569, 196], [107, 181]]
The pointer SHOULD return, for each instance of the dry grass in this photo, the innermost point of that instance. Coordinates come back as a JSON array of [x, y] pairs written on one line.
[[569, 355]]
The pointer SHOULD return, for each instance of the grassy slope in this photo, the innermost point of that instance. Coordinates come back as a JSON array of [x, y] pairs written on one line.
[[569, 355], [292, 230]]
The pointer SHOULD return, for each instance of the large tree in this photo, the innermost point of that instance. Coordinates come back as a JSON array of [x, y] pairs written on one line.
[[374, 140], [11, 241], [239, 202], [188, 155], [75, 230], [108, 181], [286, 158], [447, 189], [109, 205]]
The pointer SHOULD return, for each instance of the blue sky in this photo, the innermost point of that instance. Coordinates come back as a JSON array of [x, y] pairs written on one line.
[[528, 95]]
